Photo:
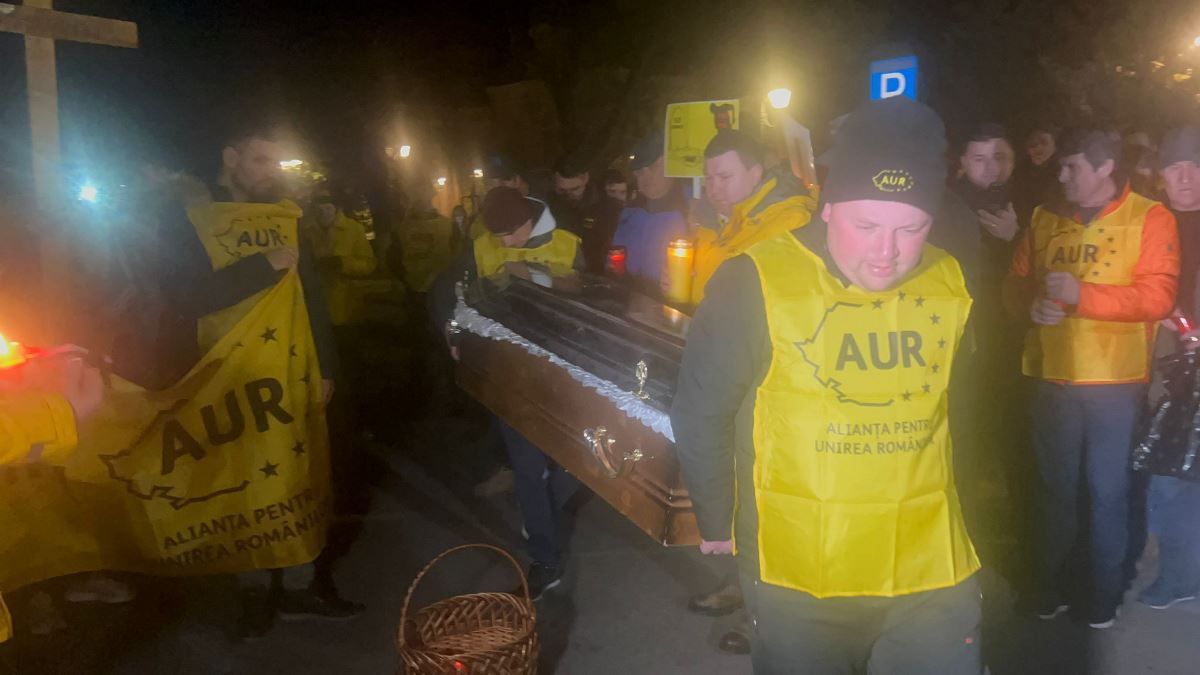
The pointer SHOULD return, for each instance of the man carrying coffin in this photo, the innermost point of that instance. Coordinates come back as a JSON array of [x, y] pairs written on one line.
[[524, 240], [811, 419]]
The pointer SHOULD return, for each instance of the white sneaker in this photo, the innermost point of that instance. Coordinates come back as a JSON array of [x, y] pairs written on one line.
[[1109, 623], [100, 589]]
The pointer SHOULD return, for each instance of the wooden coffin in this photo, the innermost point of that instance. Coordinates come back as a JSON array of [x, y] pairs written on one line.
[[608, 331]]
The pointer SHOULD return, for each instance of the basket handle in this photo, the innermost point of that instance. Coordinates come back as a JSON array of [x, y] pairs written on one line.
[[421, 575]]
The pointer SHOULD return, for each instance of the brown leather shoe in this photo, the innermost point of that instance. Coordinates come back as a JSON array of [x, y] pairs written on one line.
[[725, 600], [737, 641]]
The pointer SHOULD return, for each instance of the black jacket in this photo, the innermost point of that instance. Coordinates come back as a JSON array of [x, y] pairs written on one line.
[[188, 289], [1033, 185], [727, 356]]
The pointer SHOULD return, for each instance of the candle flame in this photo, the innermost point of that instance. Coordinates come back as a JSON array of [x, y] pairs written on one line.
[[11, 353], [681, 248]]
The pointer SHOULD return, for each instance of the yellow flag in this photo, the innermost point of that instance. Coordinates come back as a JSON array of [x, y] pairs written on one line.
[[232, 231], [226, 471]]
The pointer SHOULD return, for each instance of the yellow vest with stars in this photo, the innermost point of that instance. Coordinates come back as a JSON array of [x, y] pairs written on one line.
[[1106, 251], [853, 475], [558, 254], [231, 231]]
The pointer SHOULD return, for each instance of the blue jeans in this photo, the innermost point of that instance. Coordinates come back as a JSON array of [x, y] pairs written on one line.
[[1173, 511], [542, 489], [1083, 436]]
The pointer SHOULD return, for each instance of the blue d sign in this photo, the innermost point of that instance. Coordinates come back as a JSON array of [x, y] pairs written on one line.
[[894, 77]]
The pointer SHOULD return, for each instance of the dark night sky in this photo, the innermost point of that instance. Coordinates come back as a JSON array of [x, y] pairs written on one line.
[[324, 65], [320, 63], [199, 58]]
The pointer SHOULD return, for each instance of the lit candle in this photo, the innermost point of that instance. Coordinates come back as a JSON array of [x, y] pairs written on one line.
[[679, 271], [616, 261]]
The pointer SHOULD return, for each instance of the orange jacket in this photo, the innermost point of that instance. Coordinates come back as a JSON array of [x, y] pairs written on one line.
[[1108, 336], [1150, 297]]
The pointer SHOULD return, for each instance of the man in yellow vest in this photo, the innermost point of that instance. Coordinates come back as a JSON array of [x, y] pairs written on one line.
[[753, 204], [213, 284], [523, 240], [812, 419], [1094, 274]]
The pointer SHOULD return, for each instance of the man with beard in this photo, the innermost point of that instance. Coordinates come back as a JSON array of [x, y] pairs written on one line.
[[213, 298]]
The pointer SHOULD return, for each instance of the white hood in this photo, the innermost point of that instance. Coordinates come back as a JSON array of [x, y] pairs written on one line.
[[545, 223]]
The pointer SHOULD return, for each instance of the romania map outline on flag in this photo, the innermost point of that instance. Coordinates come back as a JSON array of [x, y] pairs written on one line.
[[226, 471]]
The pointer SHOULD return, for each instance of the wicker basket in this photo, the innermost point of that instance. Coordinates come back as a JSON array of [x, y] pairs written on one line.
[[476, 634]]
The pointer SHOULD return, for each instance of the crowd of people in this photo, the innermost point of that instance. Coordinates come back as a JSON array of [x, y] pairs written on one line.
[[1077, 265], [868, 357]]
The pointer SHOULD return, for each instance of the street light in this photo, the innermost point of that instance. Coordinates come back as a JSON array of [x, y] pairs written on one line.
[[405, 150], [478, 173], [780, 98], [441, 181], [291, 163]]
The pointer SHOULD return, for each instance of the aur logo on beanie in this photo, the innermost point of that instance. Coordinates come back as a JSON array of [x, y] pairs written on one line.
[[894, 180]]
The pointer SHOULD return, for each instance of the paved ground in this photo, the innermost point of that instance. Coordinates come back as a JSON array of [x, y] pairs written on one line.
[[620, 611]]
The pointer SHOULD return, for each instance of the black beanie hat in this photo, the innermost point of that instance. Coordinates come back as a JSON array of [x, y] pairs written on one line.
[[505, 210], [889, 150]]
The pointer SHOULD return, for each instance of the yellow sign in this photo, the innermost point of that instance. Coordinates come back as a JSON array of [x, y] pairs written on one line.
[[690, 126], [226, 471]]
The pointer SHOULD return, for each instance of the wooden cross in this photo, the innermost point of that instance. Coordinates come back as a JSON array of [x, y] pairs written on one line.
[[42, 25]]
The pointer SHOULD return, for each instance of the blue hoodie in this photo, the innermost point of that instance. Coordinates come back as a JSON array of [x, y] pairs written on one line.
[[645, 229]]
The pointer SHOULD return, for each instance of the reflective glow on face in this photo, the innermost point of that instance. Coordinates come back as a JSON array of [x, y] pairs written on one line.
[[728, 181], [875, 244]]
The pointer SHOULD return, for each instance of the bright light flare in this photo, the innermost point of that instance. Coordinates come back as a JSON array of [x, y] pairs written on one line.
[[405, 150], [780, 98], [89, 193], [441, 181], [291, 163], [11, 353], [1196, 42], [478, 173]]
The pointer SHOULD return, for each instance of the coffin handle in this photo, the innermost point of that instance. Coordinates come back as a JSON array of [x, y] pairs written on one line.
[[601, 445]]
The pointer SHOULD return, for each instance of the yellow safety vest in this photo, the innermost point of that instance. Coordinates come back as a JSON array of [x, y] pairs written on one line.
[[346, 290], [426, 244], [558, 254], [231, 231], [1086, 351], [853, 475], [747, 226]]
